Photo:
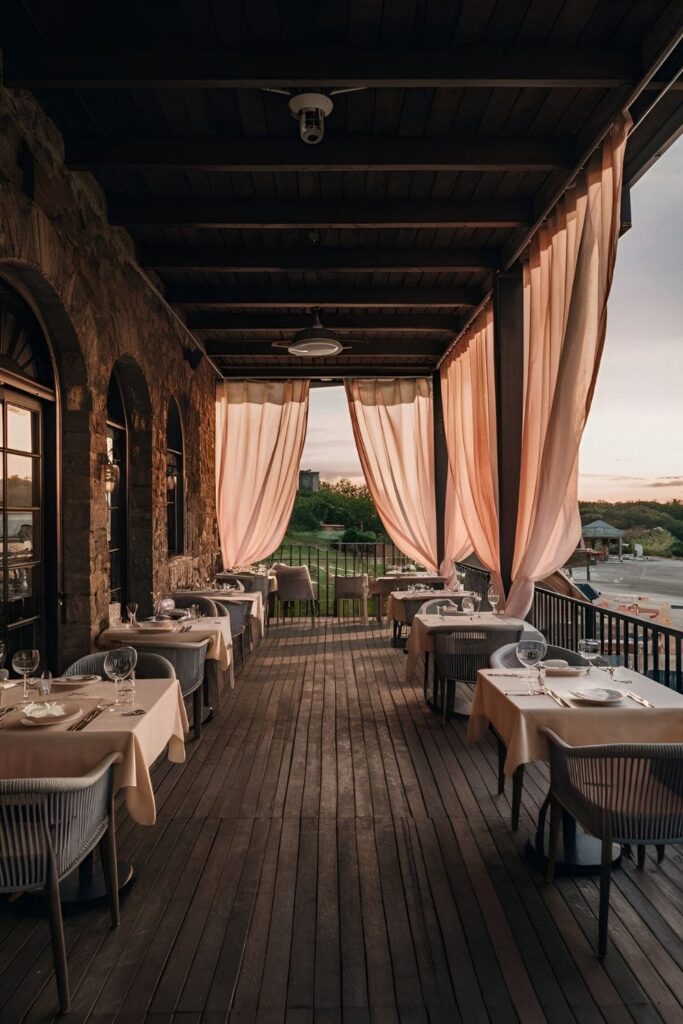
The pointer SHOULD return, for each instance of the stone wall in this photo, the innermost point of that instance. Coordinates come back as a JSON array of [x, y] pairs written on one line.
[[98, 312]]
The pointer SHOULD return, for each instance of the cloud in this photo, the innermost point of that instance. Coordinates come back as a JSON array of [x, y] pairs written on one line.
[[666, 481]]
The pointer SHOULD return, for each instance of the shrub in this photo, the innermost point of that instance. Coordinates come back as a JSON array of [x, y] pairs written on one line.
[[353, 536], [304, 519]]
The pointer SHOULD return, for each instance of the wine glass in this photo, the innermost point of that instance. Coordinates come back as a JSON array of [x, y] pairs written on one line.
[[441, 608], [119, 665], [493, 599], [468, 605], [530, 653], [476, 601], [25, 663], [590, 650], [132, 609]]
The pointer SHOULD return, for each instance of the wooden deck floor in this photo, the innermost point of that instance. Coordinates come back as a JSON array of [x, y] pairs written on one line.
[[329, 853]]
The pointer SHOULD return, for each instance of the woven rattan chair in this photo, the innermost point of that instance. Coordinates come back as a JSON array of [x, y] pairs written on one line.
[[294, 584], [459, 656], [47, 828], [628, 793], [240, 624], [184, 663], [148, 666], [432, 607], [353, 589], [205, 604], [506, 656]]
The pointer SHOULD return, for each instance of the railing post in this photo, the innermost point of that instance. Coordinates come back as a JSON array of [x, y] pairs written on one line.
[[508, 357]]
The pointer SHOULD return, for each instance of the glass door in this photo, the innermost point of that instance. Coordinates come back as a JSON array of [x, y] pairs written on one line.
[[21, 521]]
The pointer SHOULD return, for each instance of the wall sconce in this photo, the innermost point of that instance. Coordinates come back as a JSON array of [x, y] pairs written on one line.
[[112, 475]]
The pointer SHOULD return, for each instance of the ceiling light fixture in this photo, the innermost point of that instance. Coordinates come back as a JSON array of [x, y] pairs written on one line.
[[315, 340]]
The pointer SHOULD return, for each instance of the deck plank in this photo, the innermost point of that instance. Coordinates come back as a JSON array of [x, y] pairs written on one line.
[[330, 853]]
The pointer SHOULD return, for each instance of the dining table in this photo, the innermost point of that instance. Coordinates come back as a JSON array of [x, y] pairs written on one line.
[[507, 701], [253, 598], [382, 586], [101, 727], [215, 629], [403, 605], [420, 643]]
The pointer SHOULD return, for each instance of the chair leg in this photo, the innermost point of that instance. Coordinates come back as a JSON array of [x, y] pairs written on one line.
[[605, 879], [242, 649], [660, 854], [54, 910], [555, 822], [641, 856], [110, 869], [502, 754], [197, 709], [517, 787]]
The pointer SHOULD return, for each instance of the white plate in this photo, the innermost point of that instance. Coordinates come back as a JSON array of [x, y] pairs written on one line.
[[76, 680], [597, 695], [567, 670], [70, 711]]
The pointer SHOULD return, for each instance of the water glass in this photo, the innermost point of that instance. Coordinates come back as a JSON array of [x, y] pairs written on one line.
[[493, 599], [476, 600], [590, 650], [125, 690], [45, 683], [468, 605], [25, 664], [441, 607], [132, 609], [119, 664]]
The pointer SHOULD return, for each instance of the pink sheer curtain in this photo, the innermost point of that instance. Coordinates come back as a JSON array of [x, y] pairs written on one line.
[[457, 543], [394, 433], [469, 407], [260, 434], [567, 282]]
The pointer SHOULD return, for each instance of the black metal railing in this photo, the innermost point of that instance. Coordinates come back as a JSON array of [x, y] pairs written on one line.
[[640, 644], [339, 560]]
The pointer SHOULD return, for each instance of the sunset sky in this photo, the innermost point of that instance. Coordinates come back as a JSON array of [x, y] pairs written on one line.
[[633, 445]]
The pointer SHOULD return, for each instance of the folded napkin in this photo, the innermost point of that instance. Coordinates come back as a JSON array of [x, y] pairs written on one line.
[[7, 686], [44, 709]]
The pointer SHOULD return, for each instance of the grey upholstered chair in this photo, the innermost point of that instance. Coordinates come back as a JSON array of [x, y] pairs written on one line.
[[148, 666], [205, 604], [251, 583], [628, 793], [294, 584], [47, 828], [459, 656], [350, 588], [177, 614], [186, 664], [240, 624]]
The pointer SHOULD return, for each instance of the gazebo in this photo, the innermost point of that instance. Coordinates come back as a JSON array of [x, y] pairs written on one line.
[[600, 530]]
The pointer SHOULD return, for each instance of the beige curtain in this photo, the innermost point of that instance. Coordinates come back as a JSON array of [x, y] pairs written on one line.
[[394, 433], [457, 543], [260, 434], [469, 405], [567, 282]]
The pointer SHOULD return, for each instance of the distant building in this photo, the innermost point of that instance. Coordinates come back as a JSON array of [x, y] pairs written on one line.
[[599, 534], [309, 480]]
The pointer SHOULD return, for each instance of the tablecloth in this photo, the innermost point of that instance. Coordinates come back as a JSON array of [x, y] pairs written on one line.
[[404, 604], [254, 598], [518, 719], [420, 640], [215, 630], [33, 752]]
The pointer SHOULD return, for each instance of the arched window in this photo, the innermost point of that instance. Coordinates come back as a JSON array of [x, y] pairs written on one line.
[[117, 493], [29, 555], [175, 481]]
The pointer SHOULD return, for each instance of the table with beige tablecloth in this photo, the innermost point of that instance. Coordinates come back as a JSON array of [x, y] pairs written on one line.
[[253, 598], [421, 642], [382, 586], [517, 720], [51, 751], [403, 605]]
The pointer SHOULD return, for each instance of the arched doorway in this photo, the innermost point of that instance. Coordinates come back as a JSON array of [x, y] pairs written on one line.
[[30, 549]]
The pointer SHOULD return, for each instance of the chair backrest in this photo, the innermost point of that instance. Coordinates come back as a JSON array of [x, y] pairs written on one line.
[[250, 583], [462, 653], [294, 583], [351, 587], [177, 614], [148, 666], [432, 607], [506, 655], [206, 605], [633, 789], [184, 663], [238, 612], [51, 819]]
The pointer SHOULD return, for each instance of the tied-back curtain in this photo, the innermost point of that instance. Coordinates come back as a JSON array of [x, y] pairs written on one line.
[[457, 543], [469, 411], [566, 286], [260, 434], [394, 433]]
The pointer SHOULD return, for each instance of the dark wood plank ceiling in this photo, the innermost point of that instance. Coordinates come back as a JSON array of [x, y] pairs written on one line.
[[469, 120]]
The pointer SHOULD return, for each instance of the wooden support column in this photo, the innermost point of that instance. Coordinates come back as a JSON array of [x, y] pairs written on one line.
[[508, 323], [440, 468]]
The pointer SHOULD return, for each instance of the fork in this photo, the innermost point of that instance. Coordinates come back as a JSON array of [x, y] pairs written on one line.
[[639, 700], [556, 697]]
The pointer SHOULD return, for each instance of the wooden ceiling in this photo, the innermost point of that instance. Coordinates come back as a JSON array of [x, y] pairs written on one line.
[[469, 120]]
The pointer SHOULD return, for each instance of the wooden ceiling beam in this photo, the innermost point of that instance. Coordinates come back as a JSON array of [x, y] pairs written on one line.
[[325, 371], [311, 298], [287, 214], [455, 67], [356, 153], [273, 259], [225, 322]]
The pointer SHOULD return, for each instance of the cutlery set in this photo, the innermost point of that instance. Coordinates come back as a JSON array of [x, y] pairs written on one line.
[[564, 703], [87, 719]]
